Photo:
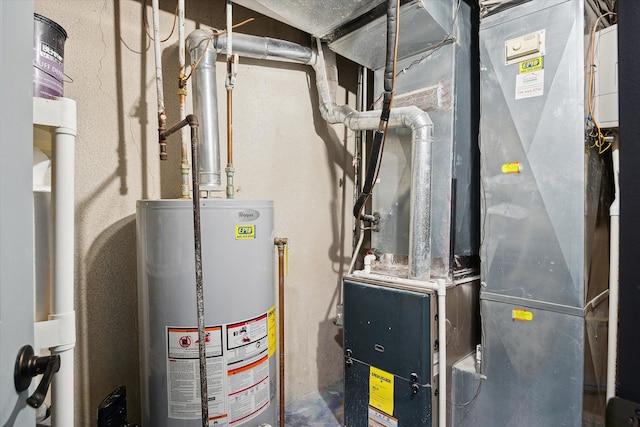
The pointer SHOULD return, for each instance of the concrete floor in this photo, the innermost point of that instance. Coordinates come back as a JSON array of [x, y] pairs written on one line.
[[323, 408]]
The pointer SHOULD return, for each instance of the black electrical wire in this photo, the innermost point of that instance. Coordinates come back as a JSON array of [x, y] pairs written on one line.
[[379, 136]]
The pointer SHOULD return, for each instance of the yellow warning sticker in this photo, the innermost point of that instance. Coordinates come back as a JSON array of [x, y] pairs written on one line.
[[381, 390], [530, 65], [522, 315], [245, 232], [513, 167], [271, 321]]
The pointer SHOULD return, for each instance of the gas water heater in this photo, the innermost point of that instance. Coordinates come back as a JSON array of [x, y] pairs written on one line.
[[239, 299]]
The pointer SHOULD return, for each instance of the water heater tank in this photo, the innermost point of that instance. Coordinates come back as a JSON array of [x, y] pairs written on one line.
[[239, 302]]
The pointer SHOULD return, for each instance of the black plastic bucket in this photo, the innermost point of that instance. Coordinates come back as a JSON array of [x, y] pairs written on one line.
[[48, 57]]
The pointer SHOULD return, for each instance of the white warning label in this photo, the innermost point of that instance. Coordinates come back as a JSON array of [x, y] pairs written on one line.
[[248, 369], [380, 419], [248, 390], [530, 84], [183, 374], [247, 340]]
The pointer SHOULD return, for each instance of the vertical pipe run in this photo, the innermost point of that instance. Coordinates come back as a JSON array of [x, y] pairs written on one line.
[[63, 270], [442, 339], [420, 205], [162, 117], [205, 106], [204, 390], [281, 243], [230, 170], [229, 84], [614, 279], [182, 98], [192, 121], [229, 124]]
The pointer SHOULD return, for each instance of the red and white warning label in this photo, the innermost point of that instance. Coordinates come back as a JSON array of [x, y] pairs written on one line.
[[248, 369], [238, 378], [183, 374], [248, 390], [378, 418], [247, 340]]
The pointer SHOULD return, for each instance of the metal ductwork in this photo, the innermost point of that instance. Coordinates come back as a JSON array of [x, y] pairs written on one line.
[[205, 45], [356, 29], [418, 121]]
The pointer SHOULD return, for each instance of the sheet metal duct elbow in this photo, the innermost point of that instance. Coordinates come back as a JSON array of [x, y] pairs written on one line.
[[422, 137]]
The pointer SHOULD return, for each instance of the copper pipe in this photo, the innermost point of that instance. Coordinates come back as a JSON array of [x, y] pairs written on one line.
[[281, 243], [230, 126]]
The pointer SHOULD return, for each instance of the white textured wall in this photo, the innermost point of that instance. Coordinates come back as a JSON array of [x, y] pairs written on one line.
[[284, 151]]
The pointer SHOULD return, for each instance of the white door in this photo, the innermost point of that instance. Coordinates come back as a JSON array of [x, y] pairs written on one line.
[[16, 203]]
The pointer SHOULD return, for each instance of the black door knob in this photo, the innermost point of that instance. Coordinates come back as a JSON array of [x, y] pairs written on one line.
[[28, 366]]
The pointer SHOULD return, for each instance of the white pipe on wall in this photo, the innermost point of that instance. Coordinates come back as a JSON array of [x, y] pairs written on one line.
[[612, 344], [442, 340], [182, 96], [62, 301], [158, 59]]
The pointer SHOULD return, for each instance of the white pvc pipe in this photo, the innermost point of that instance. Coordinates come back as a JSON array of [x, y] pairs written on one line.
[[367, 263], [441, 288], [181, 50], [182, 96], [612, 344], [158, 57], [442, 339], [62, 301], [229, 30]]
